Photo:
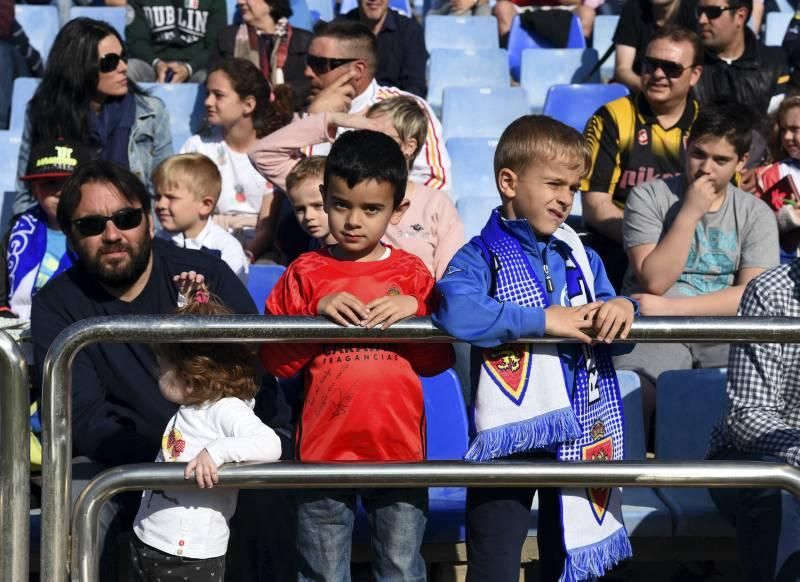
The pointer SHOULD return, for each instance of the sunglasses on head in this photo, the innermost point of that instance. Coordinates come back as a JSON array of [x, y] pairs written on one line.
[[322, 65], [670, 69], [713, 12], [109, 62], [124, 219]]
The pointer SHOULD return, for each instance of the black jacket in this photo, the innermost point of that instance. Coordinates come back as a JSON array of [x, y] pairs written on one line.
[[753, 79]]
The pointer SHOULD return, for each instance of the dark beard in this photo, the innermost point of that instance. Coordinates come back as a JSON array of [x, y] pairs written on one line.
[[117, 274]]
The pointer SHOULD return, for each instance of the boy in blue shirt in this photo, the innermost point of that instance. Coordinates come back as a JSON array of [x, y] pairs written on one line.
[[528, 275]]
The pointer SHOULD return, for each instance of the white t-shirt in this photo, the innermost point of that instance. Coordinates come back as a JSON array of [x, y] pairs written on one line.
[[193, 523], [243, 187], [215, 238]]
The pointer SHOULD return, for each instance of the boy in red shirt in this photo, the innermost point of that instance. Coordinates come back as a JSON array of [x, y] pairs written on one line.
[[363, 402]]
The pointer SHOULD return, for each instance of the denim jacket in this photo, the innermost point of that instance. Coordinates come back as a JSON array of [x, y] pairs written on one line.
[[150, 144]]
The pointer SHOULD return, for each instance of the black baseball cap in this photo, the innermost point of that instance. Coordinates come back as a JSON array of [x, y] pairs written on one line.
[[55, 158]]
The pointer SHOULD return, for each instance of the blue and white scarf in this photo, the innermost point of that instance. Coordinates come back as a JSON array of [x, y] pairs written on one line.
[[523, 403]]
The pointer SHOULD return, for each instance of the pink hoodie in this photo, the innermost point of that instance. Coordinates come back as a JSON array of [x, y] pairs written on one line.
[[431, 228]]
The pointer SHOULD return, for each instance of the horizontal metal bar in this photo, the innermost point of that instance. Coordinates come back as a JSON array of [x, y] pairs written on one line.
[[435, 474]]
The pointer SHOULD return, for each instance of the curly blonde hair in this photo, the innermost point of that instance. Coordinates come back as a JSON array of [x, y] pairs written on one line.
[[212, 370]]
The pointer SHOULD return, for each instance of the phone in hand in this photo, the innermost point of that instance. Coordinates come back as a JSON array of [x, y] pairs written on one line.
[[168, 76]]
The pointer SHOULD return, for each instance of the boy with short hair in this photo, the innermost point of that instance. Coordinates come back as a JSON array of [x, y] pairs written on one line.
[[526, 275], [35, 249], [363, 402], [694, 241], [305, 198], [187, 190]]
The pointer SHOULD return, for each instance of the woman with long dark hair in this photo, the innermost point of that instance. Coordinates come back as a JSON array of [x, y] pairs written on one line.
[[266, 39], [85, 96], [241, 108]]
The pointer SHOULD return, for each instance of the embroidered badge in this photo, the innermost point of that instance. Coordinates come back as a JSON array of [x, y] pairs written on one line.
[[602, 449], [642, 137], [393, 290], [509, 366], [173, 444], [451, 269]]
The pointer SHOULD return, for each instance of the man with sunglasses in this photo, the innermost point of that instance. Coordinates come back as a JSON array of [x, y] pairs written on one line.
[[735, 65], [118, 412], [341, 65], [639, 138]]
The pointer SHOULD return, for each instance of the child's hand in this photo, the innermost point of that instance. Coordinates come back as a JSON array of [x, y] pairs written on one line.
[[190, 283], [205, 470], [569, 321], [343, 308], [390, 309], [650, 304], [614, 316]]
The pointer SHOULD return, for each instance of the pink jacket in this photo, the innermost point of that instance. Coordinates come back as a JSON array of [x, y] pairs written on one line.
[[430, 229]]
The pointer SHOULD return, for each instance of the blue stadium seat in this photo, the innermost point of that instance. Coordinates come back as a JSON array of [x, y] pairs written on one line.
[[777, 24], [474, 212], [465, 68], [461, 32], [605, 25], [184, 103], [24, 88], [575, 104], [688, 405], [401, 6], [261, 280], [324, 8], [9, 151], [520, 39], [114, 15], [40, 23], [542, 68], [233, 15], [481, 111], [472, 164]]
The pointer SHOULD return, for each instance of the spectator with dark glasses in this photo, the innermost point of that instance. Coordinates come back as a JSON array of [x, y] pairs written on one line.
[[85, 96]]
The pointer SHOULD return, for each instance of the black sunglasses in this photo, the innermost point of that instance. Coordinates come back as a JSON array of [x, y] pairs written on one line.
[[671, 69], [322, 65], [110, 62], [713, 12], [124, 219]]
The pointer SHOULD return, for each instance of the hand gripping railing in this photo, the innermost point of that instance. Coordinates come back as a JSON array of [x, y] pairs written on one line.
[[57, 388], [14, 462], [85, 556]]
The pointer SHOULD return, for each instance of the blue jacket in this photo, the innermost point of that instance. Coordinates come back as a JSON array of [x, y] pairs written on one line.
[[469, 312], [149, 145]]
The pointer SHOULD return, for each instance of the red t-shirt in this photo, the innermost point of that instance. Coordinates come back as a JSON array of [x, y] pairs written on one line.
[[363, 402]]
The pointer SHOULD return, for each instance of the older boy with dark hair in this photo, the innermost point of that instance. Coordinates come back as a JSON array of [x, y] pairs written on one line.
[[363, 402], [526, 275]]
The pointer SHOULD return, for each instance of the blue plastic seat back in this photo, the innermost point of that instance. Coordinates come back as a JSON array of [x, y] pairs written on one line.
[[688, 405], [184, 103], [465, 68], [474, 212], [520, 39], [472, 165], [113, 15], [630, 388], [261, 280], [24, 88], [9, 152], [575, 104], [777, 24], [542, 68], [446, 416], [40, 23], [322, 7], [605, 25], [481, 111], [461, 32]]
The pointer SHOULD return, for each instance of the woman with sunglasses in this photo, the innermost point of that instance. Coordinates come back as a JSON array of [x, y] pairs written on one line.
[[266, 39], [241, 109], [85, 96]]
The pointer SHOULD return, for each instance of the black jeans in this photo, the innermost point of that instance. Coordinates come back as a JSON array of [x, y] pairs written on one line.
[[152, 565]]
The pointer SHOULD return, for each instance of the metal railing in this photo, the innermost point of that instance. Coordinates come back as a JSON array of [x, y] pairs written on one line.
[[14, 462], [57, 381], [85, 556]]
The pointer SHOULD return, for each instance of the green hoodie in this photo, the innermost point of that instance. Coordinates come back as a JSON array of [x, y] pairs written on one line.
[[177, 30]]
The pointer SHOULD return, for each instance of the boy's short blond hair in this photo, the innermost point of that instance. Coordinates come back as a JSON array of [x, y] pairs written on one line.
[[307, 168], [408, 118], [195, 172], [538, 138]]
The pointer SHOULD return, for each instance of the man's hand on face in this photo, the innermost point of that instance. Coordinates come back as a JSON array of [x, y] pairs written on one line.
[[336, 97]]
